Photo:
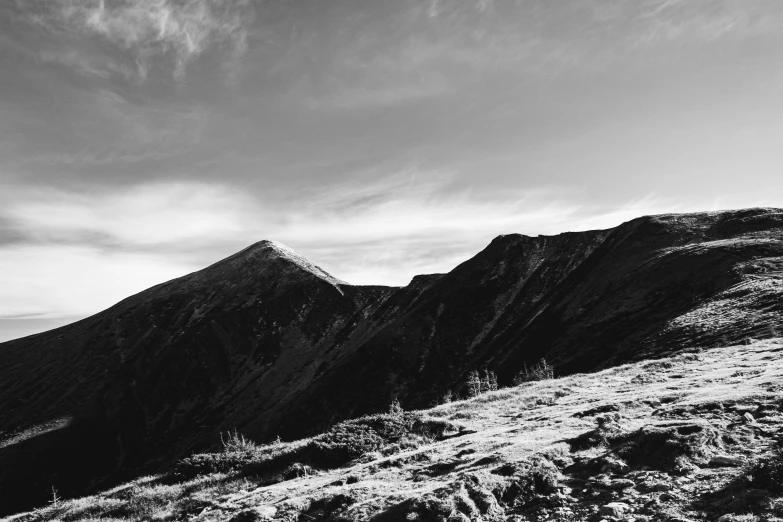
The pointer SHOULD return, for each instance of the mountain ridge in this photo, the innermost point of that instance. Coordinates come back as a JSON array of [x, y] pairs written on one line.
[[269, 343]]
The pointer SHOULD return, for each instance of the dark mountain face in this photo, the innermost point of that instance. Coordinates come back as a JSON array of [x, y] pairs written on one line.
[[268, 343]]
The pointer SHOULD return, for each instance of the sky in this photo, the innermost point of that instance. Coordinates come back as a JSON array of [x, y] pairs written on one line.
[[141, 140]]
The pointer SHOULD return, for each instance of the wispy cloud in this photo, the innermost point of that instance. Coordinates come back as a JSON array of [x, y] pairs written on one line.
[[108, 129], [86, 64], [180, 31], [50, 281], [660, 21], [384, 231], [381, 231], [135, 218]]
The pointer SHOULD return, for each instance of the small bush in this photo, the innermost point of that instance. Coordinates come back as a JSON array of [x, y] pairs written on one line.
[[261, 459], [351, 439], [395, 408], [297, 470], [473, 384], [447, 397], [489, 381], [385, 434], [477, 383], [541, 371], [235, 442], [657, 366]]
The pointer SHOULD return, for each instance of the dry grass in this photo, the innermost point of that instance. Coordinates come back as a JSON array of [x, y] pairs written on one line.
[[508, 426]]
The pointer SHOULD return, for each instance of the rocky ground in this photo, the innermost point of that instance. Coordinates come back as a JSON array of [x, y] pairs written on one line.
[[693, 437]]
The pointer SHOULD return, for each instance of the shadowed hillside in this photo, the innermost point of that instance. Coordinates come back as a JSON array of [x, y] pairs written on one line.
[[270, 344], [693, 437]]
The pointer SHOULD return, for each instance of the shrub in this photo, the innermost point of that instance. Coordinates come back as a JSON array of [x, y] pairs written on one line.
[[447, 397], [473, 384], [297, 470], [344, 442], [541, 371], [261, 459], [351, 439], [489, 382], [235, 442], [395, 408]]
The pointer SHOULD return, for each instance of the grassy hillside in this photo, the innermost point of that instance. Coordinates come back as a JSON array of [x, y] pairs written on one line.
[[267, 342], [693, 437]]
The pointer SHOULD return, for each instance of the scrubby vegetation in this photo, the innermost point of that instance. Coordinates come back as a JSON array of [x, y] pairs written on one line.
[[235, 442], [478, 382], [540, 371], [699, 444], [384, 434]]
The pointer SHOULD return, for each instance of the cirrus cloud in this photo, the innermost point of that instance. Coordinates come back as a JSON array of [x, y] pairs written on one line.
[[181, 30]]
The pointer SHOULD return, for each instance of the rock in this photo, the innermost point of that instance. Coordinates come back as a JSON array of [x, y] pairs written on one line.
[[621, 484], [614, 509], [464, 502], [604, 408], [610, 464], [255, 514], [731, 517], [485, 501], [459, 516], [749, 418], [652, 485], [723, 461]]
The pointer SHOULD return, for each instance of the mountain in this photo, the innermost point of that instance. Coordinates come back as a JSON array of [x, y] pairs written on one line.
[[268, 343], [694, 437]]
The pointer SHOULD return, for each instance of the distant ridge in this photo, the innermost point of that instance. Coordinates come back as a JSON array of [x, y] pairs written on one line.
[[270, 344]]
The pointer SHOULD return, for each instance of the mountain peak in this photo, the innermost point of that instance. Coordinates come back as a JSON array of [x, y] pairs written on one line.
[[274, 250]]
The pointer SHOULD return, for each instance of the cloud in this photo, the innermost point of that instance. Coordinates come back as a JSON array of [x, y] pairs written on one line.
[[107, 130], [660, 21], [141, 216], [420, 222], [46, 281], [156, 29], [71, 254], [86, 64]]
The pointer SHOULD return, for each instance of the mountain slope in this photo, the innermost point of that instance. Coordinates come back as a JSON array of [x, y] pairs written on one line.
[[584, 301], [693, 437], [270, 344], [138, 380]]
